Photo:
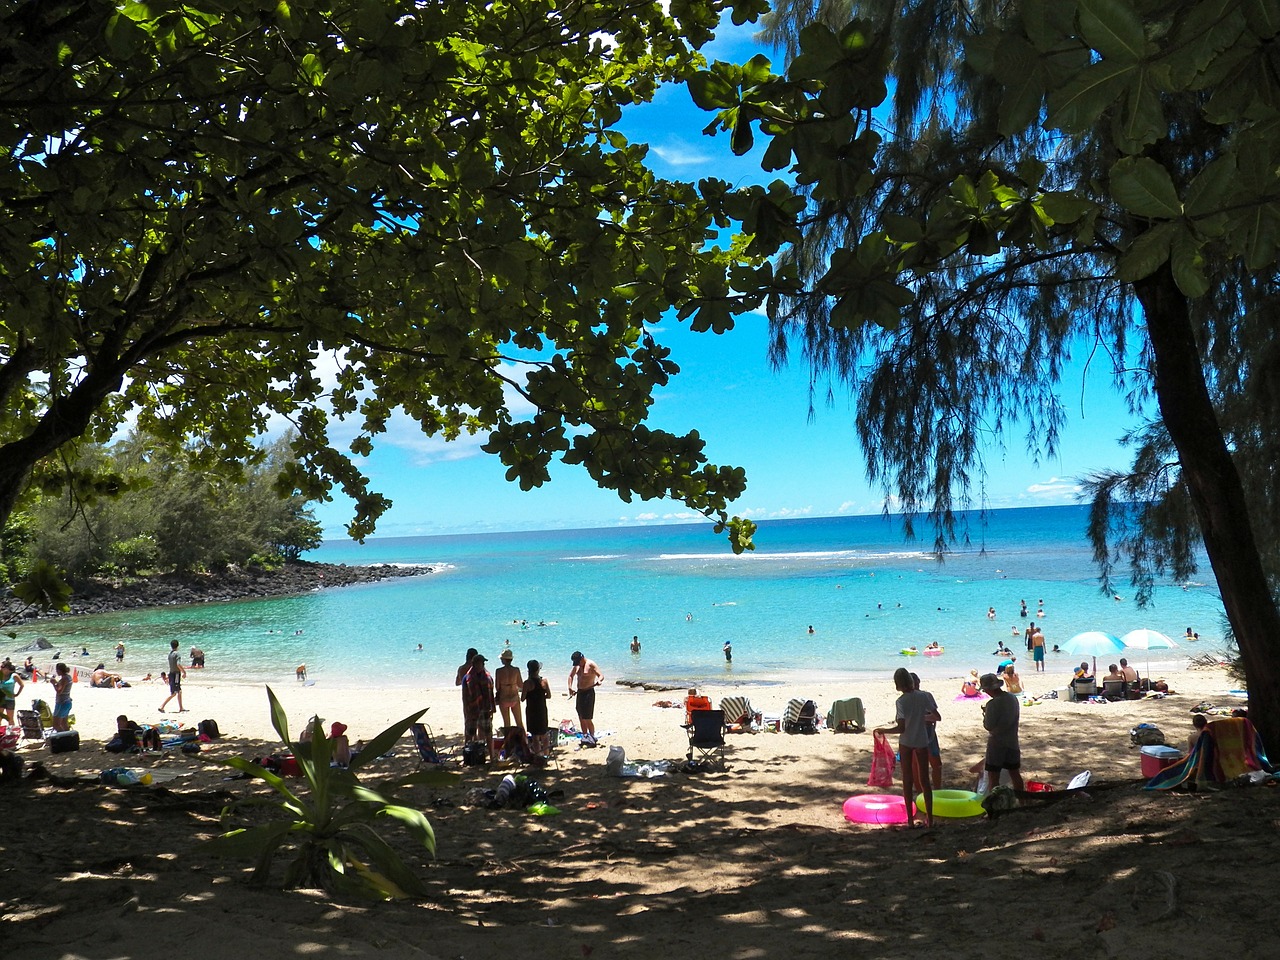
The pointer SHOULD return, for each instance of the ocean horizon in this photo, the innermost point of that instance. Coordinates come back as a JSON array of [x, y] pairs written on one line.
[[831, 597]]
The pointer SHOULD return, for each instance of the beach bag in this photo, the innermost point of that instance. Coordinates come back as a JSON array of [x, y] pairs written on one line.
[[614, 761], [1146, 735], [209, 728], [882, 762], [475, 754]]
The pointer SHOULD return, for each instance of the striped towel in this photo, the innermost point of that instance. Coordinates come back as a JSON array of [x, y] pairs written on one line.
[[737, 710]]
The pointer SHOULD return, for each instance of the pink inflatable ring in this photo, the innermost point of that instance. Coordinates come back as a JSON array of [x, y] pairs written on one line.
[[875, 808]]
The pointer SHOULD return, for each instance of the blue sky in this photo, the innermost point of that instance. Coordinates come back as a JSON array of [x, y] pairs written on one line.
[[749, 415]]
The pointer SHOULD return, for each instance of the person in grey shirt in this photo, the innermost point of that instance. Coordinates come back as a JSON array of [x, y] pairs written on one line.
[[1000, 719]]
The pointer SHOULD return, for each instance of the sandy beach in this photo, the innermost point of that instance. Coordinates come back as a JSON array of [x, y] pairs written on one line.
[[755, 860]]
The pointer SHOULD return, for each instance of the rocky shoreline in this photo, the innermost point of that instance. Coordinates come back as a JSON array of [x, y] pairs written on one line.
[[102, 595]]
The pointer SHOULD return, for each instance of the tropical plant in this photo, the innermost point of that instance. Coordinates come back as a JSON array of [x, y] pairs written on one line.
[[331, 826]]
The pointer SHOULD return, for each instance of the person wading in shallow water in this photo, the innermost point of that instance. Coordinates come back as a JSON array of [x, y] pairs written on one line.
[[583, 680]]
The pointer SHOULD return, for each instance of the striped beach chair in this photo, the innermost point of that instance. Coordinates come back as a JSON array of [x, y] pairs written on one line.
[[739, 715], [801, 716]]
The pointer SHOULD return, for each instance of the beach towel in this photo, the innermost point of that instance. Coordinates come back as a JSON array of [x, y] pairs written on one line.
[[1225, 750], [847, 713], [738, 713], [801, 716]]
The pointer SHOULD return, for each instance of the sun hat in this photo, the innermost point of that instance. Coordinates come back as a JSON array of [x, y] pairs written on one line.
[[337, 730], [989, 681], [507, 655]]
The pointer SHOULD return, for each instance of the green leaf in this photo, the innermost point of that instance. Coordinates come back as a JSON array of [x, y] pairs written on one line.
[[1148, 252], [1088, 95], [1188, 264], [1063, 207], [1210, 189], [1113, 28], [1145, 188], [711, 91]]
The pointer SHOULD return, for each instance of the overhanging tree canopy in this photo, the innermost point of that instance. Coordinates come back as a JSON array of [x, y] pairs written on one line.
[[1053, 174], [198, 200]]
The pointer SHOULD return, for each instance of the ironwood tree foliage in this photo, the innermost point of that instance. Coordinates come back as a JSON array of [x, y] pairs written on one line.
[[201, 201], [1050, 176]]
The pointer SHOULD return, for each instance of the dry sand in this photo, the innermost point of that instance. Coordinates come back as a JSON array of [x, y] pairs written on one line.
[[755, 860]]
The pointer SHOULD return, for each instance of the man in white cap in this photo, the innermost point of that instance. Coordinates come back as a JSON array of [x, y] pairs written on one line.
[[1000, 717]]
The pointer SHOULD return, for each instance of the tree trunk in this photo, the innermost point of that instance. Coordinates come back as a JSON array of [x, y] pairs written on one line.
[[1218, 496]]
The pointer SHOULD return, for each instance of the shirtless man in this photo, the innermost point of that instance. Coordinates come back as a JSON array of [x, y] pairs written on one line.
[[583, 680], [1130, 675], [508, 681]]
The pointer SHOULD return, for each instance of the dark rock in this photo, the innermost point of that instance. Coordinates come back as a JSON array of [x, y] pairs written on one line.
[[101, 595]]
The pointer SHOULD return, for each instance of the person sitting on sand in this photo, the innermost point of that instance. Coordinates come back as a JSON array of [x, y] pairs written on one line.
[[1129, 673], [1012, 682], [1199, 721], [100, 678], [132, 737], [1113, 673], [339, 746], [970, 686]]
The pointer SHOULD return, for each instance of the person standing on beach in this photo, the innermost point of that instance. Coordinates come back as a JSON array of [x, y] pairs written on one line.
[[10, 686], [478, 700], [583, 680], [176, 672], [467, 719], [1000, 719], [935, 749], [535, 694], [508, 681], [120, 652], [62, 697], [1037, 650], [914, 711], [1029, 633]]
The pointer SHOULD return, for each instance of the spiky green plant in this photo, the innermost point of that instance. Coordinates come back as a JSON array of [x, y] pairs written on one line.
[[331, 825]]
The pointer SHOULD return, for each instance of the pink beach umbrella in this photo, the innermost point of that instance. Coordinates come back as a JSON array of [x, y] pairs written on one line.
[[1144, 639], [1092, 643]]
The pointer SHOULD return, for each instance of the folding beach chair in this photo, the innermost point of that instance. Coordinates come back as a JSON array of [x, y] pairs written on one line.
[[1113, 689], [706, 735], [694, 702], [739, 715], [801, 716], [847, 715], [32, 726], [426, 744]]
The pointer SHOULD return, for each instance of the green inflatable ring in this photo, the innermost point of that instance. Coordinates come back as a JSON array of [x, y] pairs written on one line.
[[953, 803]]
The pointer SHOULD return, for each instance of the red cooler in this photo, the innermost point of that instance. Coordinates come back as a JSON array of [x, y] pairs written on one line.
[[1156, 758]]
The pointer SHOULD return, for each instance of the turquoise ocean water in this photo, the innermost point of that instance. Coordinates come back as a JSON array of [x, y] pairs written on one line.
[[866, 593]]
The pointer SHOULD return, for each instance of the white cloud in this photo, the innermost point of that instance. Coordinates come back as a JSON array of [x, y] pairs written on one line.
[[1056, 489], [680, 154]]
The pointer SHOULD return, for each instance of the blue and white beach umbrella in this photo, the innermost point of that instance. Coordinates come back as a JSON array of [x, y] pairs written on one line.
[[1092, 643]]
